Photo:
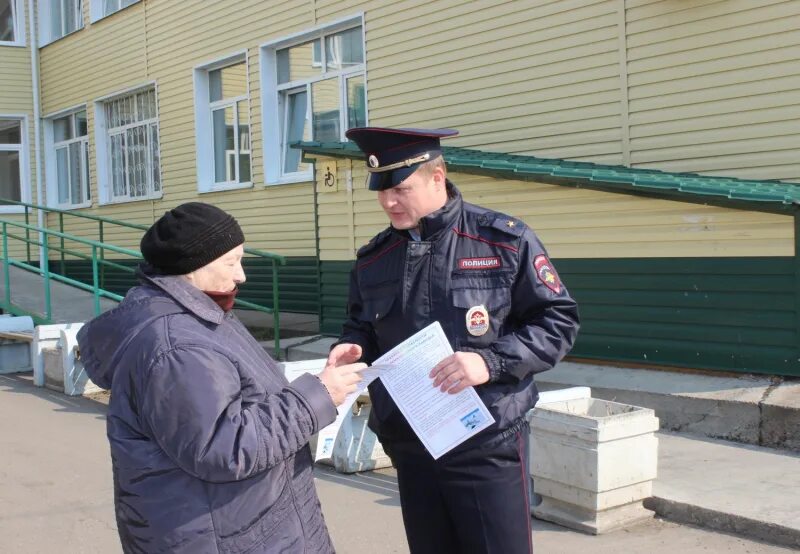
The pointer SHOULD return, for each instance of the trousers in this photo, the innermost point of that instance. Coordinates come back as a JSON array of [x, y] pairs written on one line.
[[474, 501]]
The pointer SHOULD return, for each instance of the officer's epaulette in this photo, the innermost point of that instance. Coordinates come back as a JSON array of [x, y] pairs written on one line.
[[502, 222], [376, 242]]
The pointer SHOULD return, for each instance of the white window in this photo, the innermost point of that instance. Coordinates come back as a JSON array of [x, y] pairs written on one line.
[[222, 122], [13, 161], [12, 26], [129, 159], [59, 18], [102, 8], [315, 89], [68, 160]]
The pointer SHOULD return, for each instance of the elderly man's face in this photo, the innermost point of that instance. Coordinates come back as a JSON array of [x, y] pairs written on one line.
[[419, 195], [221, 275]]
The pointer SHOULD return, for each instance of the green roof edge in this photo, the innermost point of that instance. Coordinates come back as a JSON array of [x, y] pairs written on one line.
[[603, 177]]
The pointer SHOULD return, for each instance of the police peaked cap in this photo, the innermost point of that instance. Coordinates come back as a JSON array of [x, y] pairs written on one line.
[[392, 155]]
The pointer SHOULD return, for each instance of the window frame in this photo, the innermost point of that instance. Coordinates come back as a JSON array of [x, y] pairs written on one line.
[[273, 107], [45, 17], [18, 20], [204, 123], [51, 158], [96, 12], [102, 134], [24, 162]]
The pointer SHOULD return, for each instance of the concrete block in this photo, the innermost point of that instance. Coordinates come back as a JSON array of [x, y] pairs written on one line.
[[780, 413], [45, 336], [76, 380], [718, 407], [356, 447], [584, 467], [15, 354], [52, 362]]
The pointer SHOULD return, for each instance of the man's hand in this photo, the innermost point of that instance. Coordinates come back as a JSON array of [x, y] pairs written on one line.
[[345, 353], [459, 371], [341, 381]]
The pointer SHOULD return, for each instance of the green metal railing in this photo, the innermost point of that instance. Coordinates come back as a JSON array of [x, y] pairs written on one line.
[[98, 261]]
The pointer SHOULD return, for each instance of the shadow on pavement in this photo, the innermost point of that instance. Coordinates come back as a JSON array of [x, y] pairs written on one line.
[[22, 383]]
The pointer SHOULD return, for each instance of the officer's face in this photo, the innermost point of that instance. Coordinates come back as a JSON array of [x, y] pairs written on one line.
[[221, 275], [419, 195]]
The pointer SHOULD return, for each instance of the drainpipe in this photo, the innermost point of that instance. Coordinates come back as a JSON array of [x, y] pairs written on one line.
[[37, 123]]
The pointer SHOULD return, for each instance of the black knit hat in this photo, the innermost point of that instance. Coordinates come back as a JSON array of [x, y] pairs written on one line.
[[188, 237]]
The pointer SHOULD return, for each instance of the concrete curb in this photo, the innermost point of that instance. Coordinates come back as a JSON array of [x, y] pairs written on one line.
[[681, 512]]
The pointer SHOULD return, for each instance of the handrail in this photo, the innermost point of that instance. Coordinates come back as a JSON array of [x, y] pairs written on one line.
[[99, 262], [102, 219]]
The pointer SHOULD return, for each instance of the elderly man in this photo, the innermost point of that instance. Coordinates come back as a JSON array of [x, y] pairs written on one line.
[[488, 280], [208, 439]]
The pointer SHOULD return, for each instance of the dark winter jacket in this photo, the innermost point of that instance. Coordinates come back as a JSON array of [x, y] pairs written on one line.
[[208, 439], [470, 263]]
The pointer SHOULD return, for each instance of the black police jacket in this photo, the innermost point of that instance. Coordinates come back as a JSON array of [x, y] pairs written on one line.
[[488, 281]]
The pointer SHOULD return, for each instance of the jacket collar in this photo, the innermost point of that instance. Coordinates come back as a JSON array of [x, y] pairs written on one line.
[[184, 293], [443, 219]]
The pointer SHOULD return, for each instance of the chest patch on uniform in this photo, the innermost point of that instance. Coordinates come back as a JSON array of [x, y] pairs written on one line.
[[547, 275], [477, 320], [492, 262]]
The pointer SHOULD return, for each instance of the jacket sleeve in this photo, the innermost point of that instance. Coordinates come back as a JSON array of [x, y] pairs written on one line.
[[356, 329], [543, 320], [192, 404]]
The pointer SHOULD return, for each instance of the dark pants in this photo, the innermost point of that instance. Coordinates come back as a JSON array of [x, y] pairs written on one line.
[[471, 501]]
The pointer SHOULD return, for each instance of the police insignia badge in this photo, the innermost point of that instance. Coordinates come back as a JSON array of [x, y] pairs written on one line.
[[373, 161], [547, 275], [477, 320]]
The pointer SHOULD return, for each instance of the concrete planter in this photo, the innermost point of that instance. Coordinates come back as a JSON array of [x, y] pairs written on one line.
[[593, 462], [356, 447]]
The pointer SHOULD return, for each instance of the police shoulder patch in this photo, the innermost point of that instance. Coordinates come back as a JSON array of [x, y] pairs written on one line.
[[547, 273]]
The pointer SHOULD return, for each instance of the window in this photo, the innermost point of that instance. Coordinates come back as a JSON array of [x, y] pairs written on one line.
[[129, 159], [102, 8], [317, 86], [59, 18], [11, 159], [71, 160], [12, 28], [222, 120]]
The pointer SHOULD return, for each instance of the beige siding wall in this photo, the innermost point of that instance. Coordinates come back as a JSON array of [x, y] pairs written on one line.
[[572, 223], [16, 98], [714, 87], [524, 77], [707, 86]]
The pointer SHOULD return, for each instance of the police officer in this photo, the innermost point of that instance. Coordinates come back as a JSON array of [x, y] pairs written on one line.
[[488, 280]]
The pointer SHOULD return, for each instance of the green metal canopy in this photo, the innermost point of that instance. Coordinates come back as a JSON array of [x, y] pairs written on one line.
[[777, 194]]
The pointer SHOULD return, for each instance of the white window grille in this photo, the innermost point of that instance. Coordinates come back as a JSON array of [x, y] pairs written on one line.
[[133, 162]]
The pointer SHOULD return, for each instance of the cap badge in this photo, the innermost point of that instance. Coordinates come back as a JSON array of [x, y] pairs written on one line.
[[477, 320], [373, 161], [511, 223]]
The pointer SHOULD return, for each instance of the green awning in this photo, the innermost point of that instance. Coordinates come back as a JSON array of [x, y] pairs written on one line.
[[603, 177]]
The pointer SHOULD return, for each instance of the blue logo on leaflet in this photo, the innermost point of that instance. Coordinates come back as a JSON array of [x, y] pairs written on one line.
[[473, 419]]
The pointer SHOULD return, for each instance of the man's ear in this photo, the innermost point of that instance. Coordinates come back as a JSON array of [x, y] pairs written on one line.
[[439, 178]]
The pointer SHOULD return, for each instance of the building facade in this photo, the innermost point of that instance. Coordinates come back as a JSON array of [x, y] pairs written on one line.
[[140, 105]]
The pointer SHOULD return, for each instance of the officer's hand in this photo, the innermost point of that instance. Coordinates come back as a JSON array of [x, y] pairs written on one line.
[[459, 371], [341, 381], [345, 353]]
